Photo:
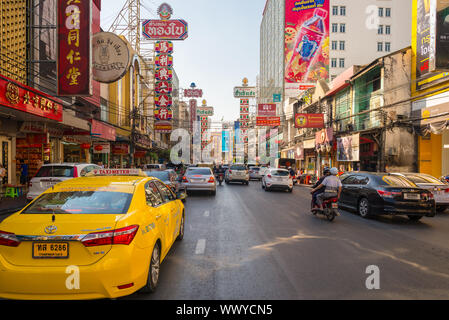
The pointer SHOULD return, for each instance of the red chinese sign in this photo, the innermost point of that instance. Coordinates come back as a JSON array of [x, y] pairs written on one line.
[[164, 47], [103, 131], [164, 60], [165, 29], [164, 74], [163, 127], [309, 120], [163, 87], [121, 148], [268, 121], [267, 110], [23, 98], [74, 46], [163, 114], [192, 105], [165, 101], [193, 93]]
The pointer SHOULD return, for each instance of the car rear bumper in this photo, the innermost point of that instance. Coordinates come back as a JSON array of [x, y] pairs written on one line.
[[96, 281], [279, 186], [409, 209], [199, 187]]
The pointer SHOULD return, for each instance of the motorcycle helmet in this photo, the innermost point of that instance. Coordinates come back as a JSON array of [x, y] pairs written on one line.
[[334, 171], [326, 170]]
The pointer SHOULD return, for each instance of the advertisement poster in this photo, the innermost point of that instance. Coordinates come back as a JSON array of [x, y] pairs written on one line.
[[440, 61], [348, 148], [309, 120], [306, 41], [423, 45]]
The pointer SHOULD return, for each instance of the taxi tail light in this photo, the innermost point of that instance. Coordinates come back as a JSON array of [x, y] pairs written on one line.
[[184, 179], [75, 172], [8, 239], [120, 236], [211, 180]]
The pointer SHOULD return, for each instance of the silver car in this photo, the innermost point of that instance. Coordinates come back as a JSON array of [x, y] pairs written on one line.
[[255, 174], [439, 189], [51, 174], [200, 179]]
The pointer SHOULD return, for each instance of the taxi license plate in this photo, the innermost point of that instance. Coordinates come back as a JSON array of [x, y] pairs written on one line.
[[412, 196], [50, 250]]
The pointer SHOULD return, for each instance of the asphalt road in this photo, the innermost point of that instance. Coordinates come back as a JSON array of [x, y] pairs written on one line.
[[246, 243]]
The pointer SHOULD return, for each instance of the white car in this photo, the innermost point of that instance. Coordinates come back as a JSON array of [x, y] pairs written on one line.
[[277, 179], [51, 174], [439, 189], [237, 173]]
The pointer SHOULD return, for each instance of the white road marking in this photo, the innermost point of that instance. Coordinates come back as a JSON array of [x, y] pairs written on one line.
[[206, 213], [200, 246]]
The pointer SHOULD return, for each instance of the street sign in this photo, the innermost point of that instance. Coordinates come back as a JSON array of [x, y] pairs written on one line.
[[277, 97], [205, 111], [244, 92], [165, 29]]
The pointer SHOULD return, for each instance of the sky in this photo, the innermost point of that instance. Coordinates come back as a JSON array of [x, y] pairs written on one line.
[[222, 47]]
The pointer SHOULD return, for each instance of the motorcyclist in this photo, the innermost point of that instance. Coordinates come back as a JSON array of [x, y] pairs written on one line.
[[326, 173], [332, 187]]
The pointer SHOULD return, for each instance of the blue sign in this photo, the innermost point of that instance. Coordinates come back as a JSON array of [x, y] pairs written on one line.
[[277, 97], [237, 131], [225, 135]]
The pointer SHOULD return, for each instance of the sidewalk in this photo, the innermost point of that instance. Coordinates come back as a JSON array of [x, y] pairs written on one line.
[[9, 205]]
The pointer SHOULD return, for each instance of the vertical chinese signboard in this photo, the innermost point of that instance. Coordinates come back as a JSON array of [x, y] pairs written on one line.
[[74, 48], [306, 41], [163, 97]]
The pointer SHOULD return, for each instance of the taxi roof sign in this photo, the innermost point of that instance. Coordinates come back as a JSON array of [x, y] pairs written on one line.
[[117, 172]]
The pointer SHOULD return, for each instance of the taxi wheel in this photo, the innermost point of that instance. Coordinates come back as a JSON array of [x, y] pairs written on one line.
[[153, 272], [181, 229]]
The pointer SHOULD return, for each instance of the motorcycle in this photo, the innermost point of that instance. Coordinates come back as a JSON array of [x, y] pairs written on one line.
[[220, 178], [329, 209]]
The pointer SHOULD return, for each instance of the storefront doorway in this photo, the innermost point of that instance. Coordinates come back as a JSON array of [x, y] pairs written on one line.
[[5, 158]]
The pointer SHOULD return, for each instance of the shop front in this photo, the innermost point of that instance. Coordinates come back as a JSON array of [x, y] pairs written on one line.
[[76, 146], [433, 144], [26, 119], [103, 135], [120, 155], [142, 154], [324, 140]]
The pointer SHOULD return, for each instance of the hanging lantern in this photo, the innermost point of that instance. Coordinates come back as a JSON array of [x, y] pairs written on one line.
[[98, 147], [85, 146]]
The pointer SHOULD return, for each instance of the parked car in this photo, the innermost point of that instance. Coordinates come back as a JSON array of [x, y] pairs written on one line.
[[199, 179], [383, 193], [254, 173], [169, 177], [154, 166], [439, 189], [278, 179], [237, 173], [51, 174]]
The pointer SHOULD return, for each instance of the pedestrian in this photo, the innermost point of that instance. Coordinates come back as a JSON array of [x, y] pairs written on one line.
[[23, 172]]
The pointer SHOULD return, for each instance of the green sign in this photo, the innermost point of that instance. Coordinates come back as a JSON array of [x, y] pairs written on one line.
[[244, 92]]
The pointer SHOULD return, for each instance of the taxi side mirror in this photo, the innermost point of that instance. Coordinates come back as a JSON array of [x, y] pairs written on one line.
[[181, 196]]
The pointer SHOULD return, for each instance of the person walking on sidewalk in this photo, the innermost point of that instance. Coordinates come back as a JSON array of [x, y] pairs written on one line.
[[23, 172]]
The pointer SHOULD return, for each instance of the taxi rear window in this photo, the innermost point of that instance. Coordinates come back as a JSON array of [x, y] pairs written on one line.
[[81, 202]]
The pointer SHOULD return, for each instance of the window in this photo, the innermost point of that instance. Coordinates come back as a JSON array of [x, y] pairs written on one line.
[[334, 45], [153, 196], [387, 12], [380, 30], [342, 63], [343, 10], [380, 46], [334, 27], [333, 77], [342, 45], [55, 171], [335, 10], [387, 29], [387, 46], [81, 202], [167, 195], [381, 12], [349, 180], [342, 27], [334, 62]]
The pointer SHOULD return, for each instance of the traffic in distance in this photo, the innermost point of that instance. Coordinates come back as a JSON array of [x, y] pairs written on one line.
[[118, 225]]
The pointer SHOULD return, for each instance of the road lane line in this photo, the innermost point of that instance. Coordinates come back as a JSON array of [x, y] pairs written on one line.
[[200, 246], [206, 213]]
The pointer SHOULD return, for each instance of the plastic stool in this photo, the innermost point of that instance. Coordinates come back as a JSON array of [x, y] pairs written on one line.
[[11, 192]]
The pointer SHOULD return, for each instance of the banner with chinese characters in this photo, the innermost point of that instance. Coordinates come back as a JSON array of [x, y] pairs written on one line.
[[268, 121], [163, 98], [74, 48], [23, 98]]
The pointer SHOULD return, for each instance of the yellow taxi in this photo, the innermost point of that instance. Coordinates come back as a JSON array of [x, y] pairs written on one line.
[[100, 236]]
